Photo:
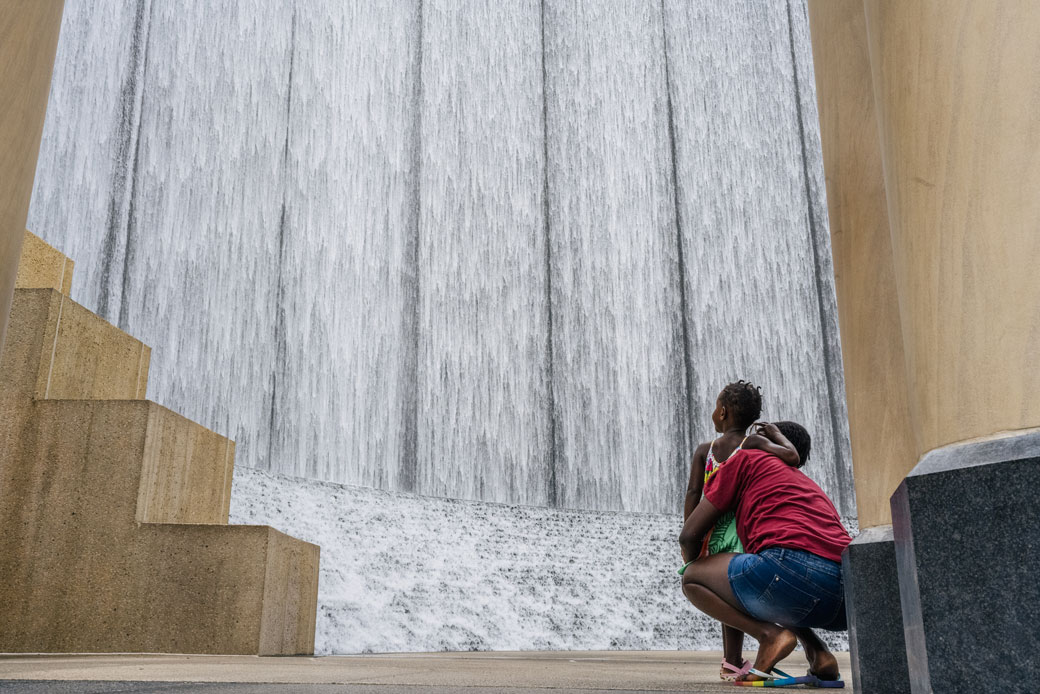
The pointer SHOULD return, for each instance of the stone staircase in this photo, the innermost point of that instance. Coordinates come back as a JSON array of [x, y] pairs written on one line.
[[114, 510]]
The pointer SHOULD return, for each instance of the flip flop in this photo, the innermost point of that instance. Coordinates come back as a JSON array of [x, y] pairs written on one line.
[[784, 680], [825, 684], [734, 672]]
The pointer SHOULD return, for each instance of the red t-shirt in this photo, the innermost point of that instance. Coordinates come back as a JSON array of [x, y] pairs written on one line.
[[776, 506]]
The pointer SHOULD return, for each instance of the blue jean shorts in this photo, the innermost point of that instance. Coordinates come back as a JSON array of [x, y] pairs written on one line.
[[791, 588]]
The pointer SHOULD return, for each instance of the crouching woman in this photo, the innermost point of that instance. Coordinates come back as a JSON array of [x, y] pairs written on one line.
[[789, 581]]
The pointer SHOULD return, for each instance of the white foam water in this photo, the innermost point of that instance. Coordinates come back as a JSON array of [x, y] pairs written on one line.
[[407, 573]]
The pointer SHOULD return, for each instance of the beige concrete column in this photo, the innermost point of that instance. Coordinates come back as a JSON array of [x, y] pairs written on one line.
[[882, 436], [956, 85], [928, 115], [930, 137], [28, 43]]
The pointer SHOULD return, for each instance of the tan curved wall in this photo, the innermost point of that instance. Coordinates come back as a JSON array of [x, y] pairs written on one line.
[[883, 446], [957, 85], [28, 43], [953, 89]]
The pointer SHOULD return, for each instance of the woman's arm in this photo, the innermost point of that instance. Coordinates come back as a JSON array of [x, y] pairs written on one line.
[[696, 484], [769, 439], [697, 525]]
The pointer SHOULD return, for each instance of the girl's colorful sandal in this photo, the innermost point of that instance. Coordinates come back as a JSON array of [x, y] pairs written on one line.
[[734, 672]]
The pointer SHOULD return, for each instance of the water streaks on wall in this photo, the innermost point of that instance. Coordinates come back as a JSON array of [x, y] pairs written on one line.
[[498, 251]]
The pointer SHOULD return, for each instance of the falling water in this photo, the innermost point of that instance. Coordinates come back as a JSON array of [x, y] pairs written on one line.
[[462, 248]]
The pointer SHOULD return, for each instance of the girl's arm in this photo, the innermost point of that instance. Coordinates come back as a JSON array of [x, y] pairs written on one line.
[[696, 484], [769, 439]]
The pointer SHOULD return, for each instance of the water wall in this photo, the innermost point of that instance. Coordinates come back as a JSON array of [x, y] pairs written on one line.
[[499, 251]]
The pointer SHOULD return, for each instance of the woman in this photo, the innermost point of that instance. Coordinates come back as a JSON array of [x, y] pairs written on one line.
[[789, 581]]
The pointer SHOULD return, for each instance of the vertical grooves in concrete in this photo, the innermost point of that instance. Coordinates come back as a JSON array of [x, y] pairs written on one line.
[[279, 304], [831, 361], [225, 501], [409, 465], [552, 490], [684, 417], [61, 282], [140, 366], [128, 136], [54, 347]]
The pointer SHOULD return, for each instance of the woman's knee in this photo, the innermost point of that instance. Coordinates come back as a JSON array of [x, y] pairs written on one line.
[[694, 591], [708, 571]]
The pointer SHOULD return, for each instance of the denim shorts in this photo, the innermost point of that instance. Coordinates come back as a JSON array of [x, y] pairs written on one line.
[[790, 587]]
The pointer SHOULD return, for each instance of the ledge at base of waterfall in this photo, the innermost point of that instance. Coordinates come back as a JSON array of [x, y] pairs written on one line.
[[404, 573]]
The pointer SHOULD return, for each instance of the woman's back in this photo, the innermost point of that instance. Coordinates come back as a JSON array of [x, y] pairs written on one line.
[[777, 506]]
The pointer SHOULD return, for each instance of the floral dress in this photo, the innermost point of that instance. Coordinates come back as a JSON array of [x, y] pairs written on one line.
[[723, 537]]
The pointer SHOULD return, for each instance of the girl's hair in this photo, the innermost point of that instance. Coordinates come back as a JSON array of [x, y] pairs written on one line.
[[798, 437], [744, 399]]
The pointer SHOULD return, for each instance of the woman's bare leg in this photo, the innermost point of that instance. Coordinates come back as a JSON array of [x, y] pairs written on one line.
[[822, 662], [706, 585]]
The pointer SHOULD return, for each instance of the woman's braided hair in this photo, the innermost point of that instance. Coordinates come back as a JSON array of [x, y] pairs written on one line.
[[744, 399]]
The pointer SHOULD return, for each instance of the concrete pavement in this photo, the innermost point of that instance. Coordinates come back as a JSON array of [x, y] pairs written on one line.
[[427, 673]]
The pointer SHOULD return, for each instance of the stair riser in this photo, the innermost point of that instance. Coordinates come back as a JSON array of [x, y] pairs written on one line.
[[42, 266], [122, 462], [56, 349], [160, 588], [186, 472]]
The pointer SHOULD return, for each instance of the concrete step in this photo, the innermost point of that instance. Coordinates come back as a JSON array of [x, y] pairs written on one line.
[[42, 266], [124, 462], [186, 471], [58, 349], [113, 509], [112, 540]]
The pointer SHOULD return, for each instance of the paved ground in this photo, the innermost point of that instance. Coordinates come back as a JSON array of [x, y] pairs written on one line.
[[564, 672]]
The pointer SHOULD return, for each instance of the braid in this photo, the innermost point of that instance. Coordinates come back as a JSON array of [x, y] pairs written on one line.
[[745, 400]]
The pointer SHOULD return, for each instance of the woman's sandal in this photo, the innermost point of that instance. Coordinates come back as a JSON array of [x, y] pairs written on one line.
[[826, 684], [734, 672]]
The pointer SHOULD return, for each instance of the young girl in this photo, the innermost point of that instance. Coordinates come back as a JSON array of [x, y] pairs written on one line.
[[737, 407]]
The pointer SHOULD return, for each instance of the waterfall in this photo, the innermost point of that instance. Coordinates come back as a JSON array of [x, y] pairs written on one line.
[[619, 370], [496, 251]]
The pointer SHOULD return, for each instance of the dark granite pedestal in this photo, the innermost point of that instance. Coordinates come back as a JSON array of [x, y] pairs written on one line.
[[966, 523], [875, 619]]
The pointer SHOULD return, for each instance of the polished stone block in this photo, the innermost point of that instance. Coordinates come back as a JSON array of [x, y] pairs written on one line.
[[875, 618], [965, 524]]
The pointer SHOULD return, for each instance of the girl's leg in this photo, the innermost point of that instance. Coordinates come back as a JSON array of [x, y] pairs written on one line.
[[733, 645], [706, 585]]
